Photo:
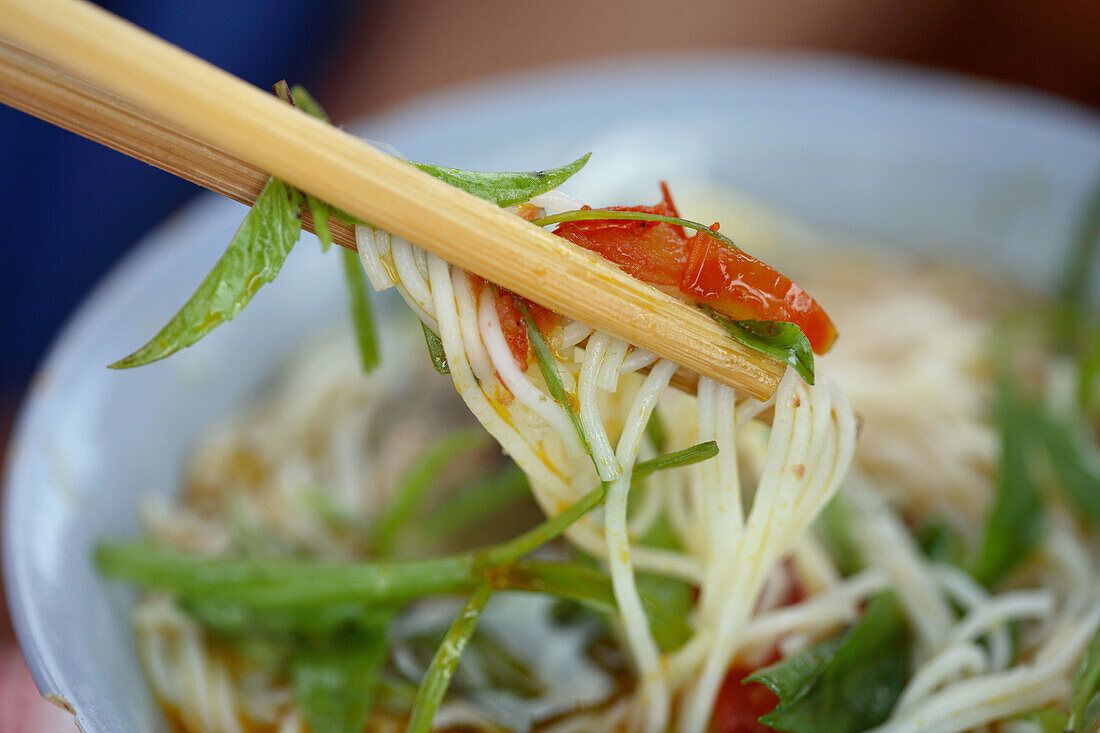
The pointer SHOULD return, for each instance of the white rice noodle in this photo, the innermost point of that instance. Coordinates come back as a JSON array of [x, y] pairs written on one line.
[[592, 424], [729, 552], [573, 333], [637, 359], [611, 367], [517, 383], [372, 246], [979, 700], [886, 544], [811, 445], [655, 693], [555, 201]]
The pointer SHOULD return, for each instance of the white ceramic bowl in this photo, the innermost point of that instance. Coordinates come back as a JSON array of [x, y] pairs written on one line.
[[909, 157]]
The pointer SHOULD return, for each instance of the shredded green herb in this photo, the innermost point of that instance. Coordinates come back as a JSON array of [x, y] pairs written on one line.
[[778, 339], [442, 668], [1075, 462], [360, 306], [1014, 525], [601, 214], [359, 303], [844, 685], [549, 369], [505, 189], [252, 259]]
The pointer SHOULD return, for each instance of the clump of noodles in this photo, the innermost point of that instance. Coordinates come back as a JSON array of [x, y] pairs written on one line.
[[916, 363], [733, 536]]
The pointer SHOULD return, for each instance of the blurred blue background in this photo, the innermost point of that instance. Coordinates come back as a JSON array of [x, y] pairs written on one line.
[[72, 207]]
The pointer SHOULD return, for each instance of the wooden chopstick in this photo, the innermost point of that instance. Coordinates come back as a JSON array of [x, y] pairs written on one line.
[[85, 69]]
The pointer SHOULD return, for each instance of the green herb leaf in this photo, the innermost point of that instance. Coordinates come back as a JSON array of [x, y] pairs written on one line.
[[789, 677], [304, 101], [1014, 524], [341, 215], [435, 350], [1076, 464], [425, 473], [505, 189], [438, 677], [320, 211], [360, 307], [845, 689], [602, 214], [252, 259], [778, 339], [334, 683], [1085, 703]]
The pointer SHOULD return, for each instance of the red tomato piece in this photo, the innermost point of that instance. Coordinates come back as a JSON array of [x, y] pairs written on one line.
[[703, 268], [739, 706], [741, 286], [648, 250], [511, 323], [511, 320]]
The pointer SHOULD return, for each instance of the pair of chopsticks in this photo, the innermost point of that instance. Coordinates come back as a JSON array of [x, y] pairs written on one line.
[[83, 69]]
